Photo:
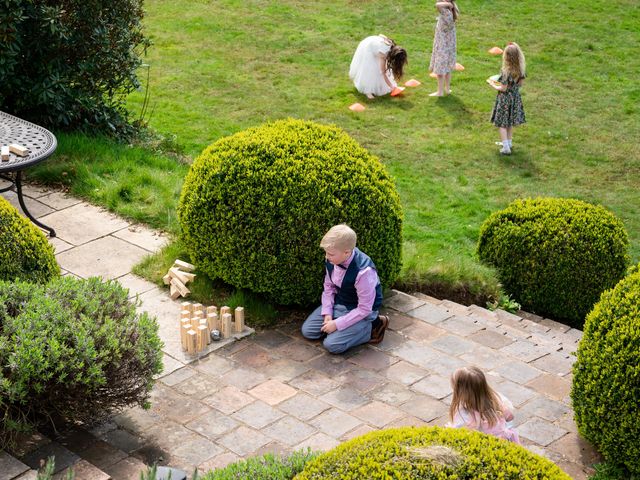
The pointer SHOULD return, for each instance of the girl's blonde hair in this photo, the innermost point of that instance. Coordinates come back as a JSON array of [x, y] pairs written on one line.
[[339, 237], [513, 62], [471, 392]]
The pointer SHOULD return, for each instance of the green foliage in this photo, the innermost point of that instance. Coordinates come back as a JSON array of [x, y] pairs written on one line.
[[606, 375], [25, 253], [609, 471], [46, 472], [555, 255], [255, 205], [428, 453], [72, 350], [70, 63], [504, 302], [265, 467]]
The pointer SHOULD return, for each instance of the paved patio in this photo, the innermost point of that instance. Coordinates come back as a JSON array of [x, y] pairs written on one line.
[[276, 392]]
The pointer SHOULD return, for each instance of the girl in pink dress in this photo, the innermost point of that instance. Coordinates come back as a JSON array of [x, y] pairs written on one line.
[[477, 406]]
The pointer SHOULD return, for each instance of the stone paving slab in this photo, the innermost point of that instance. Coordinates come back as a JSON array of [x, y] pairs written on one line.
[[106, 257], [83, 223], [36, 208], [11, 467], [276, 392]]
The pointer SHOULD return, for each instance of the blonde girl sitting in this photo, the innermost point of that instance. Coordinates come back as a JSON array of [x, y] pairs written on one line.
[[475, 405]]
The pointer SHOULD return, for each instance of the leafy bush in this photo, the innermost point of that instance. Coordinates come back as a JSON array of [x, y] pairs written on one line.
[[430, 452], [265, 467], [255, 205], [70, 63], [25, 253], [72, 350], [606, 375], [555, 255]]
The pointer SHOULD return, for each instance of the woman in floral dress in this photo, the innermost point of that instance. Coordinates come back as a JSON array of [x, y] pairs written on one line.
[[443, 57]]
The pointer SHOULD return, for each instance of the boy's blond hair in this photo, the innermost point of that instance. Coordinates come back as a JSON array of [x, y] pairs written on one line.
[[339, 237]]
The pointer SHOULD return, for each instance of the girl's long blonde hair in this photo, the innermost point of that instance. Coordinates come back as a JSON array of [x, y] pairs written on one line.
[[471, 392], [513, 62]]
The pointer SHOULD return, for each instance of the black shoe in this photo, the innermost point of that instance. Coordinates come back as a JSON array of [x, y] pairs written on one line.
[[378, 329]]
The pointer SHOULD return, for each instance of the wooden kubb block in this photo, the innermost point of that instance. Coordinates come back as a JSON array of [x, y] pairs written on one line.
[[239, 319], [226, 325], [18, 150], [184, 265], [192, 342], [213, 321]]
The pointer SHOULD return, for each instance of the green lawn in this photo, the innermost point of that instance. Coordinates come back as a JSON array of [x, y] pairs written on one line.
[[220, 66]]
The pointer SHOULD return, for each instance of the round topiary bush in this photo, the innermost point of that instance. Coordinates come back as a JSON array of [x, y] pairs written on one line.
[[72, 350], [255, 205], [555, 255], [606, 375], [25, 253], [429, 452]]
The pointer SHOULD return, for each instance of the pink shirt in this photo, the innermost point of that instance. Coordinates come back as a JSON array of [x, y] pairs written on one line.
[[366, 282]]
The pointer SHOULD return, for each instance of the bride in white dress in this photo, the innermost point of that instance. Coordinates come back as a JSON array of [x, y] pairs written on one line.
[[376, 65]]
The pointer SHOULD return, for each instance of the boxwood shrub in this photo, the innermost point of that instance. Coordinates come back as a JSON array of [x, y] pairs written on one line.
[[25, 253], [255, 205], [606, 375], [72, 351], [555, 255], [411, 453]]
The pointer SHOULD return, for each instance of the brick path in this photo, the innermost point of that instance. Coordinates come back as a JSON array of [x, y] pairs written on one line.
[[276, 392]]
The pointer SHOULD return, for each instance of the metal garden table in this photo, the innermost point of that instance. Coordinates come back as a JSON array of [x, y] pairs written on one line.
[[40, 142]]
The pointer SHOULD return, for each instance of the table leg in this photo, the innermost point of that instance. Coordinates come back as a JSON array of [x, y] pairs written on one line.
[[52, 232]]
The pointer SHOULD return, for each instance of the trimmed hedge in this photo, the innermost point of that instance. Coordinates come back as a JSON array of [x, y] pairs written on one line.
[[72, 350], [25, 253], [255, 205], [555, 255], [428, 453], [70, 63], [606, 375], [264, 467]]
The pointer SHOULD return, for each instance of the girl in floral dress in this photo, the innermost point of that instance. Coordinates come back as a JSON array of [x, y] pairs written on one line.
[[443, 57], [508, 110]]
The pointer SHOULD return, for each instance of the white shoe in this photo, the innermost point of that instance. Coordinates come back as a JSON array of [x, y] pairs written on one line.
[[505, 150]]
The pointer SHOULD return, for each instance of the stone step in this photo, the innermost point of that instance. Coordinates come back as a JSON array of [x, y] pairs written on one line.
[[13, 469], [34, 450], [427, 298], [524, 325]]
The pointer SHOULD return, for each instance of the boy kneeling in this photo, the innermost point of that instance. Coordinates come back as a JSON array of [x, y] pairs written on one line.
[[351, 298]]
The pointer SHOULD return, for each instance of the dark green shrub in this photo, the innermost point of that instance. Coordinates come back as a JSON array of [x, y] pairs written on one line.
[[428, 453], [255, 205], [72, 350], [606, 375], [70, 63], [25, 253], [265, 467], [555, 255]]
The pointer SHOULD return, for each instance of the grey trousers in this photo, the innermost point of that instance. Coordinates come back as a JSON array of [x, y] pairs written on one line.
[[340, 340]]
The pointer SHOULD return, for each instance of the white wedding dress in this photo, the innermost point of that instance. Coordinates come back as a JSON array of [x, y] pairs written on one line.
[[365, 67]]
